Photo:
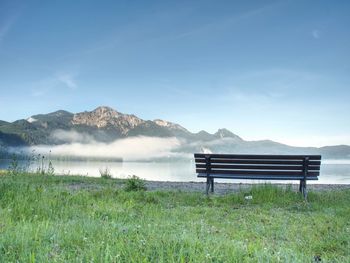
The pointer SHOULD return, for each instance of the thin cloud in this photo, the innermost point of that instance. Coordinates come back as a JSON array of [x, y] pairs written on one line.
[[127, 33], [5, 27], [228, 22], [39, 92], [316, 34], [243, 97], [68, 80], [314, 140], [266, 88], [62, 79]]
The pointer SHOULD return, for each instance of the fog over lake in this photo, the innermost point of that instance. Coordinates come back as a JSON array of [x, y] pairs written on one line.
[[332, 171]]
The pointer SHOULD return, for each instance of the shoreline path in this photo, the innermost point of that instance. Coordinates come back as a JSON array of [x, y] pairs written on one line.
[[226, 188]]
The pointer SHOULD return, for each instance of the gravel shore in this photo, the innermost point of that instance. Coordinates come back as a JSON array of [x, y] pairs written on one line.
[[225, 188]]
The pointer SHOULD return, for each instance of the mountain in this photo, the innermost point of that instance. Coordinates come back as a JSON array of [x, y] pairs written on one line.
[[102, 124], [105, 124], [224, 133], [335, 152], [3, 123], [105, 117]]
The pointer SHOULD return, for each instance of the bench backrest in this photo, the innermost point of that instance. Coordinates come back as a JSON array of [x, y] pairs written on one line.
[[248, 166]]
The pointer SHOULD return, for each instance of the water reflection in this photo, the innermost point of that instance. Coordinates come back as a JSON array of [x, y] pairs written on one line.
[[332, 172]]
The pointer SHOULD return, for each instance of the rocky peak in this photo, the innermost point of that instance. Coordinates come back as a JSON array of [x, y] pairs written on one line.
[[105, 116], [105, 111], [169, 125], [224, 133]]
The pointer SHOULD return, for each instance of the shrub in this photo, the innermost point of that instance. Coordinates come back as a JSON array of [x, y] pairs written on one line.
[[14, 167], [135, 183], [105, 173], [50, 169]]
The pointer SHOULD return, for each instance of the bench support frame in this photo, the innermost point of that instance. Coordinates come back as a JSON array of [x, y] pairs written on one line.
[[302, 186], [303, 178], [210, 185], [210, 180]]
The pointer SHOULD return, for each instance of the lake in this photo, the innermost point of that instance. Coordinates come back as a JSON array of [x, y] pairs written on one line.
[[332, 171]]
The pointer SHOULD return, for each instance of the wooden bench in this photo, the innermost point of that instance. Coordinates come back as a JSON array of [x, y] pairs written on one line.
[[258, 167]]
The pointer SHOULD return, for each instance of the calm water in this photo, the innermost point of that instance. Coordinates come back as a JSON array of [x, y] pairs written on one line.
[[332, 171]]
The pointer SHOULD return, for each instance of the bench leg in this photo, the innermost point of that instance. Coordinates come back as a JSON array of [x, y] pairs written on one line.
[[212, 185], [305, 191], [302, 188], [207, 186]]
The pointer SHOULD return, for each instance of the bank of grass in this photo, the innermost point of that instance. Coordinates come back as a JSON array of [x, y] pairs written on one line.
[[45, 219]]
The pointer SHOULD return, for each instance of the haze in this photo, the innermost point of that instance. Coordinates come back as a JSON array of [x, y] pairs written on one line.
[[130, 149]]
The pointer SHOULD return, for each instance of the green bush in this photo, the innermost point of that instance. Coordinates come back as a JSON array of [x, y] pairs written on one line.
[[135, 183], [14, 167], [105, 173]]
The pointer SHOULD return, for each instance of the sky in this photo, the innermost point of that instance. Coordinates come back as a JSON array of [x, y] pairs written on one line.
[[276, 70]]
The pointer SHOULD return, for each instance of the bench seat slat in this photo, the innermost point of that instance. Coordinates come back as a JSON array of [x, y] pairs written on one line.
[[258, 177], [252, 172], [258, 167], [235, 161], [256, 156]]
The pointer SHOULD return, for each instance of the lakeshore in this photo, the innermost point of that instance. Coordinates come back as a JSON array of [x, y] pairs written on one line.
[[332, 171], [221, 188], [227, 188]]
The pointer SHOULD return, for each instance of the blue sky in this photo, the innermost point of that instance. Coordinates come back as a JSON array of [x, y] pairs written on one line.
[[264, 69]]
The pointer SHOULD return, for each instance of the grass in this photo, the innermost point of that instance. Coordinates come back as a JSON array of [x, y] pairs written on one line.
[[46, 218]]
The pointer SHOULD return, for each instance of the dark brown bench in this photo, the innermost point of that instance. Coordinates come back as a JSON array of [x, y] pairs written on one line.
[[258, 167]]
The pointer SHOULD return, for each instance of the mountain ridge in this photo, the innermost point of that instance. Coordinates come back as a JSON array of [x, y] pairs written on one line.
[[105, 124]]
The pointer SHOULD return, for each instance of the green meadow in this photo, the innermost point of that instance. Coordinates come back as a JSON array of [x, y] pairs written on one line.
[[46, 218]]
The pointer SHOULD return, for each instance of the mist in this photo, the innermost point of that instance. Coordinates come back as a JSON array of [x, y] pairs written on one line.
[[71, 136], [129, 149], [145, 148]]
